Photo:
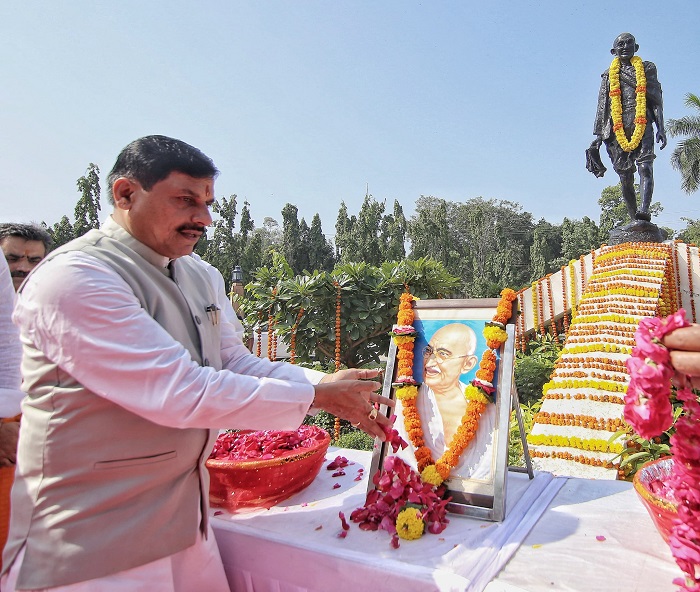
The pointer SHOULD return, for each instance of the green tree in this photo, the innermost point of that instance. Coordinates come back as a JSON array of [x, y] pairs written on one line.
[[254, 255], [271, 234], [430, 231], [394, 228], [320, 250], [302, 257], [306, 304], [484, 242], [224, 249], [292, 241], [691, 233], [343, 230], [61, 232], [686, 156], [578, 238], [372, 236], [613, 212], [545, 250], [87, 209], [366, 233], [247, 225]]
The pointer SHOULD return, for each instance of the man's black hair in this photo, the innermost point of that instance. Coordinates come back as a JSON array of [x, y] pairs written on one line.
[[151, 159], [30, 232]]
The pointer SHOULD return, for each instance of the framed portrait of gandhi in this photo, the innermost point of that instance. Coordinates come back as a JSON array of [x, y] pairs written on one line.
[[439, 422]]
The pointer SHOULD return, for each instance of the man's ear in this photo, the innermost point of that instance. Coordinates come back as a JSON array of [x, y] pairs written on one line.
[[122, 190], [468, 363]]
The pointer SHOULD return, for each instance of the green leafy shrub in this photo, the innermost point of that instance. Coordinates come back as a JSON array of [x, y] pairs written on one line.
[[638, 450], [516, 457], [534, 367], [356, 439]]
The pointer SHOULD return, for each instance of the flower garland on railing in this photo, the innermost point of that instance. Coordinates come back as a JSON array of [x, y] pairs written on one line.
[[677, 275], [271, 328], [648, 409], [293, 338], [690, 283], [478, 392], [336, 423], [640, 111], [572, 279], [535, 313], [564, 302], [554, 327], [258, 331], [521, 344], [540, 307]]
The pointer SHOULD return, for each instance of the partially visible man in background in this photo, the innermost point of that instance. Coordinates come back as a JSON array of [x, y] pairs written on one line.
[[10, 395], [24, 246]]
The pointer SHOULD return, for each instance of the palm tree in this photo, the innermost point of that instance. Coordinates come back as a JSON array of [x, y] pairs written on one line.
[[686, 156]]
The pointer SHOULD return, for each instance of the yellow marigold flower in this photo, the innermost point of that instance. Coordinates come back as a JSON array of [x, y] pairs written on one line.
[[401, 339], [472, 393], [430, 475], [404, 393], [409, 524], [495, 334]]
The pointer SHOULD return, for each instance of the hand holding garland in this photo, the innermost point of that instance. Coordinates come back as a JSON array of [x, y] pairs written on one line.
[[684, 346]]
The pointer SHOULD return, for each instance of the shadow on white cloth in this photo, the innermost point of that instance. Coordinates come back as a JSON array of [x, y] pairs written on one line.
[[295, 546]]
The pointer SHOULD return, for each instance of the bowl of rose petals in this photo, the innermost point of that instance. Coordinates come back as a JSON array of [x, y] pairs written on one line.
[[258, 469], [651, 484]]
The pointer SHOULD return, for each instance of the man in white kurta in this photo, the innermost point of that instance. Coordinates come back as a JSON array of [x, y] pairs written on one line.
[[129, 372]]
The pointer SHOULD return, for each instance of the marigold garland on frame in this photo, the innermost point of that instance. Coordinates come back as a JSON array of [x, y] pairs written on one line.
[[478, 392]]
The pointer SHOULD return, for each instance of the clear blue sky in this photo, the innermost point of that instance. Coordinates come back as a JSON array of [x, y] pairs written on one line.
[[311, 102]]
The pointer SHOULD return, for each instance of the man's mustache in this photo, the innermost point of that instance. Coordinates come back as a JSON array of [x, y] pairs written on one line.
[[19, 273], [195, 227]]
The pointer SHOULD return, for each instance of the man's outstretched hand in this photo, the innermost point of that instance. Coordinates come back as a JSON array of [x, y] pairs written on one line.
[[352, 395]]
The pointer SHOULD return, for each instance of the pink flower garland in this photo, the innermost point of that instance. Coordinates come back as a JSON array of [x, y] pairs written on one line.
[[685, 482], [649, 411]]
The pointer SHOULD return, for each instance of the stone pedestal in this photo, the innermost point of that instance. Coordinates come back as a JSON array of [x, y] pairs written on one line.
[[638, 231]]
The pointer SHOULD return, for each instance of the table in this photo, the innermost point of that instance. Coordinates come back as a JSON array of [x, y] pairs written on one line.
[[632, 558], [547, 542]]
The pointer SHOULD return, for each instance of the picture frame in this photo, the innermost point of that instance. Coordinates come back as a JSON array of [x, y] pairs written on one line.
[[477, 486]]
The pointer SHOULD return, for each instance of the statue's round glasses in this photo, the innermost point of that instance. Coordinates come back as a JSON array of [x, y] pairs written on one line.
[[441, 354]]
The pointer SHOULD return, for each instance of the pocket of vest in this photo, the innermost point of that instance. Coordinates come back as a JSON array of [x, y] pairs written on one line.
[[139, 460]]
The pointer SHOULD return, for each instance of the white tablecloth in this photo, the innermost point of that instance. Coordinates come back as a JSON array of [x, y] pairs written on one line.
[[294, 547], [563, 554]]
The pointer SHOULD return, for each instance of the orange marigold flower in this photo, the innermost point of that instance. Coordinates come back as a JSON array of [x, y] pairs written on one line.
[[484, 374], [405, 317]]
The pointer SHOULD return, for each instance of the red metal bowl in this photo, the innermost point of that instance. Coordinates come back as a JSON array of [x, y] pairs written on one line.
[[238, 484], [661, 508]]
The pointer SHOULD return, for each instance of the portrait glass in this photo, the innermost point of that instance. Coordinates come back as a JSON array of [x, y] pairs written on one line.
[[447, 350]]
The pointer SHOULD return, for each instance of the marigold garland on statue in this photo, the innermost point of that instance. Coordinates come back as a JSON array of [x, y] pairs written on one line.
[[640, 111], [478, 392]]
